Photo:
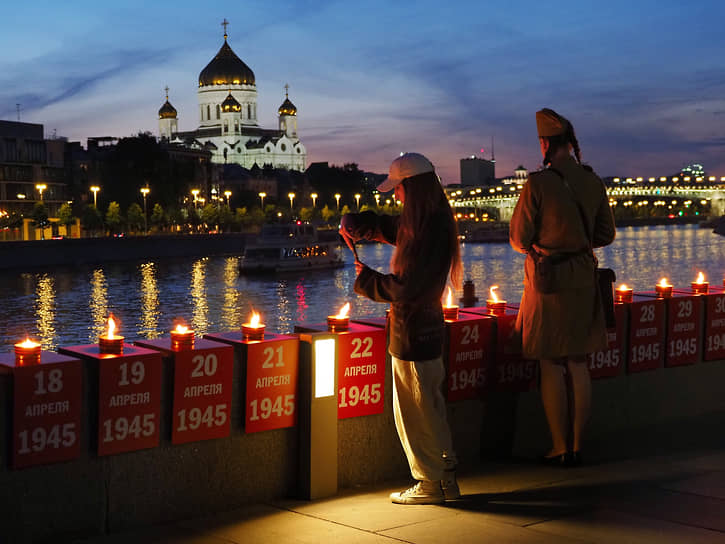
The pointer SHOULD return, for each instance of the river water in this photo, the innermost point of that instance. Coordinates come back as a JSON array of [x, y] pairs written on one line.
[[68, 306]]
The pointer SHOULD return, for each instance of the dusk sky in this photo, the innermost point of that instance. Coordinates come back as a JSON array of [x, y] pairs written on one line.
[[642, 81]]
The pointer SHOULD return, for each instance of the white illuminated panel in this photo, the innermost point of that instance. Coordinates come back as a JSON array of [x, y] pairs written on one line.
[[324, 367]]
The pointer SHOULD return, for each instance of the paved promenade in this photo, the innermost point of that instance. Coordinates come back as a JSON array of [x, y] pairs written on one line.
[[678, 498]]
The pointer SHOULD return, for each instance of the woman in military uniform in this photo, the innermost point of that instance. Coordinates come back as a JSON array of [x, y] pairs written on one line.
[[563, 211]]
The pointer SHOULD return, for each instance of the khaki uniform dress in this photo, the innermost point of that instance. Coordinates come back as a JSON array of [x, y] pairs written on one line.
[[570, 321]]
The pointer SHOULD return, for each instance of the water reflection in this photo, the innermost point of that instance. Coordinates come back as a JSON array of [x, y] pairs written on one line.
[[197, 291], [45, 311], [230, 315], [301, 302], [285, 317], [149, 324], [98, 304]]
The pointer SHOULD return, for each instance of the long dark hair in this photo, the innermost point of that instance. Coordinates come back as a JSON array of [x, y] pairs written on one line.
[[562, 140], [425, 198]]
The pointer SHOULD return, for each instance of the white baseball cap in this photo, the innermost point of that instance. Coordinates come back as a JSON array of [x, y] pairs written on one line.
[[405, 166]]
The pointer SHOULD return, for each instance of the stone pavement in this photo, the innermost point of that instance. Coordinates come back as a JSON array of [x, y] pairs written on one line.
[[678, 498]]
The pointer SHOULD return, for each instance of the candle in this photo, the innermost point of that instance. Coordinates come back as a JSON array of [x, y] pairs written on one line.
[[339, 322], [27, 353], [111, 343], [664, 289], [450, 310], [700, 286], [494, 304], [623, 293], [253, 330], [182, 337]]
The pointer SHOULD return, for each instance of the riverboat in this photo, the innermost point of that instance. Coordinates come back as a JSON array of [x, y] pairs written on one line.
[[291, 248]]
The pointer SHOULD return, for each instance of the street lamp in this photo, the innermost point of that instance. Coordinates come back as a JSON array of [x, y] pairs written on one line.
[[145, 192], [41, 187], [227, 194], [94, 190], [195, 192], [291, 200], [377, 199], [357, 201], [261, 198], [313, 196], [337, 198]]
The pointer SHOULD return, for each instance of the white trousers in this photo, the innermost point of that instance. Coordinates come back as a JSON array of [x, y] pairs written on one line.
[[420, 417]]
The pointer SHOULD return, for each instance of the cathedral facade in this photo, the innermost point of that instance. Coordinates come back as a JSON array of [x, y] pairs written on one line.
[[228, 124]]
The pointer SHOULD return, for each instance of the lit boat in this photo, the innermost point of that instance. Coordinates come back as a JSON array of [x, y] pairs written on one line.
[[291, 248]]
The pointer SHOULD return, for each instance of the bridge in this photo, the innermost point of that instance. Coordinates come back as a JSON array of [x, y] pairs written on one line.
[[706, 196]]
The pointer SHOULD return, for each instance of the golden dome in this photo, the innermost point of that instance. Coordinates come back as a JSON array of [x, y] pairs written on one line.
[[226, 69], [230, 104], [287, 108], [167, 111]]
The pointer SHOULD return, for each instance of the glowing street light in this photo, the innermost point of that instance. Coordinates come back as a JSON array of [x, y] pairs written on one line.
[[94, 190], [227, 194], [313, 196], [41, 187], [145, 191], [261, 198], [377, 199], [195, 192], [357, 201], [337, 198], [291, 197]]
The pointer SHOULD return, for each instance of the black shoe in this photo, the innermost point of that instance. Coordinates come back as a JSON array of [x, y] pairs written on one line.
[[560, 460]]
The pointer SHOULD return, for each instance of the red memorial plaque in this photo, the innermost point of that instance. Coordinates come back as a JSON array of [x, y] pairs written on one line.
[[714, 348], [271, 379], [470, 355], [646, 333], [47, 401], [360, 368], [129, 397], [203, 377], [609, 362], [512, 373], [684, 330]]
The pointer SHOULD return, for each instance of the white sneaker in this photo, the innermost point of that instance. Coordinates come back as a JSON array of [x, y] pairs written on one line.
[[449, 484], [424, 492]]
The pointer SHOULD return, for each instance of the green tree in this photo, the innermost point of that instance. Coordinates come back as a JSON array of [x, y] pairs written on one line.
[[328, 215], [113, 217], [226, 218], [91, 219], [65, 215], [306, 214], [158, 217], [40, 217], [210, 215], [134, 217]]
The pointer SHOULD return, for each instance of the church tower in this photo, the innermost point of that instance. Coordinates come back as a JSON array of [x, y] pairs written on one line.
[[288, 116], [168, 123], [231, 119], [226, 73]]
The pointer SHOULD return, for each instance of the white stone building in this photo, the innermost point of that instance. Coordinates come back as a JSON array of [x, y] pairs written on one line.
[[228, 124]]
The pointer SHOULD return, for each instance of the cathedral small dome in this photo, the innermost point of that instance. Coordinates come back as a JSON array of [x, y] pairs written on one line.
[[167, 111], [287, 108], [230, 104], [226, 69]]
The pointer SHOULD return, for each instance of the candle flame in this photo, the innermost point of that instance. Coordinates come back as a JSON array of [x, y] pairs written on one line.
[[28, 343], [254, 320], [493, 294], [663, 283], [449, 298], [181, 329], [111, 326], [700, 278], [623, 287], [344, 311]]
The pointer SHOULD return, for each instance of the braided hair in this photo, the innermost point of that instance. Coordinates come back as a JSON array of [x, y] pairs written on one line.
[[562, 140]]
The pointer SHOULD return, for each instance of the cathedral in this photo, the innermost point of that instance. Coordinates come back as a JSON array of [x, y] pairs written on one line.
[[228, 124]]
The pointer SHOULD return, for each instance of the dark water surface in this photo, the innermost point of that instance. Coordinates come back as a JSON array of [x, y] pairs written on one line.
[[70, 305]]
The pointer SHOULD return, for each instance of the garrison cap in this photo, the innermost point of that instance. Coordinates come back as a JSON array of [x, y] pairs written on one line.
[[549, 123]]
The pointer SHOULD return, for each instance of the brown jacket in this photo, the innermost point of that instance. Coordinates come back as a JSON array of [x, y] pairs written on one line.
[[570, 321], [415, 323]]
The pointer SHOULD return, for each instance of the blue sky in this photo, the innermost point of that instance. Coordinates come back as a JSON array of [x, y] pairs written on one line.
[[642, 81]]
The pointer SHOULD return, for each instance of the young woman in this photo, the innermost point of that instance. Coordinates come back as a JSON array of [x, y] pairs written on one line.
[[426, 253], [562, 211]]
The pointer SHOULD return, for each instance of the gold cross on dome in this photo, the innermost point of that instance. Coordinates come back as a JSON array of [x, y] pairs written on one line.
[[224, 24], [286, 90], [167, 92]]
